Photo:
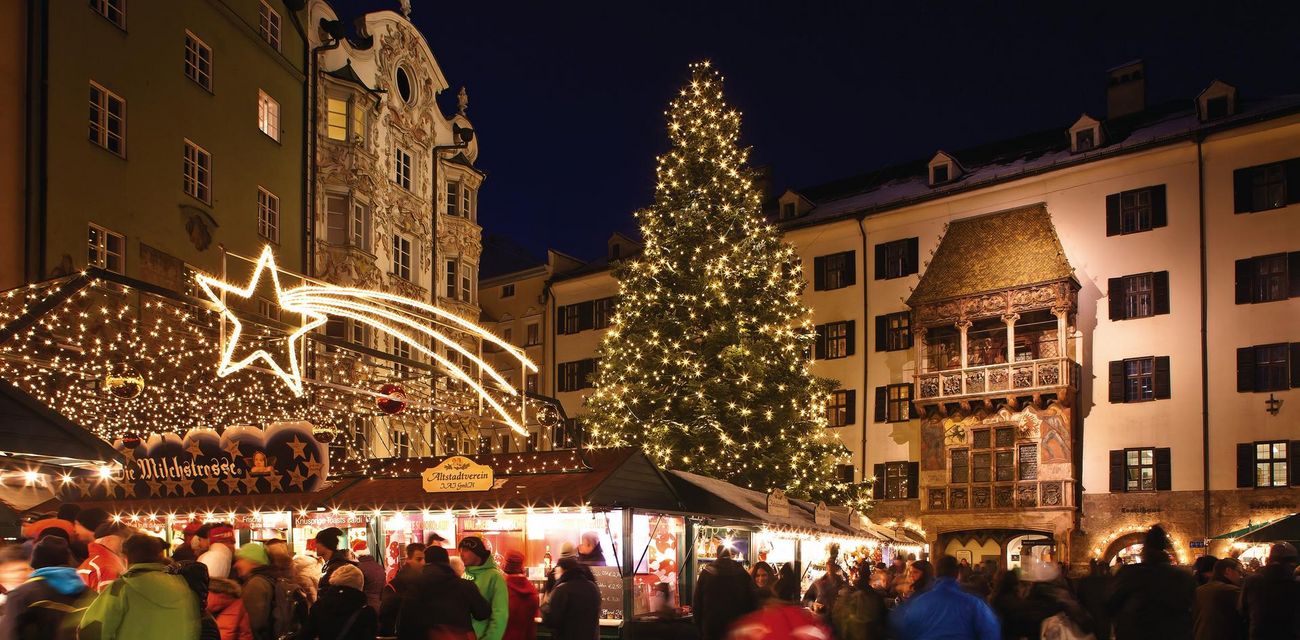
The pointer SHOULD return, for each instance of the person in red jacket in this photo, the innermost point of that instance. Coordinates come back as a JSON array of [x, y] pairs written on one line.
[[522, 624], [105, 562], [224, 605]]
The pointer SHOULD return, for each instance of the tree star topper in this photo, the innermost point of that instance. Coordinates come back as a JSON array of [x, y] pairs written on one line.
[[266, 263]]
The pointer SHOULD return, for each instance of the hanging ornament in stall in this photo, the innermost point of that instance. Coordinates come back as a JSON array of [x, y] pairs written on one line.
[[393, 399], [548, 415], [123, 381], [324, 435]]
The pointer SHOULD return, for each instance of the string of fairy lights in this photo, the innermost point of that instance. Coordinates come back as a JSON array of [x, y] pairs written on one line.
[[706, 365], [159, 352]]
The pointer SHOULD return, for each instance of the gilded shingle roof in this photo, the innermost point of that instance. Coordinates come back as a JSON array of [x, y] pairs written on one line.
[[1003, 250]]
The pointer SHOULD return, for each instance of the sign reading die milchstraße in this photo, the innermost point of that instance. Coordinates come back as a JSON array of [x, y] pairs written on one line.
[[457, 474]]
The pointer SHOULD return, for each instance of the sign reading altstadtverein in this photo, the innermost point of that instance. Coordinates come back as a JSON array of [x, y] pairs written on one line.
[[457, 473], [241, 460]]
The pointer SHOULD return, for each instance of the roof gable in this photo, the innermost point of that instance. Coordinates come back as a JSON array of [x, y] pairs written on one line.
[[1003, 250]]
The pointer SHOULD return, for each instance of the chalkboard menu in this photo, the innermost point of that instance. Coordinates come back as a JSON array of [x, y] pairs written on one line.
[[611, 592]]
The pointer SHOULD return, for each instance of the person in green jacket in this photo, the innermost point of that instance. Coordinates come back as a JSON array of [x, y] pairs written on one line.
[[146, 602], [482, 570]]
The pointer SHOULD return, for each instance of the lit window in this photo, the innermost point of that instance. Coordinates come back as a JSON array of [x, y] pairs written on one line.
[[1084, 140], [898, 331], [1140, 469], [336, 118], [603, 310], [268, 115], [466, 283], [895, 481], [268, 24], [402, 169], [453, 200], [198, 172], [1270, 464], [533, 334], [113, 10], [837, 340], [530, 383], [450, 282], [347, 222], [466, 202], [401, 443], [106, 249], [839, 408], [402, 257], [198, 61], [899, 399], [268, 215], [107, 119]]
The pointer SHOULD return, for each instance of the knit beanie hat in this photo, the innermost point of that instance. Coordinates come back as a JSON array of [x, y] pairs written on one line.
[[474, 544], [436, 555], [329, 538], [51, 551], [92, 518], [254, 552], [514, 562], [222, 533], [347, 576]]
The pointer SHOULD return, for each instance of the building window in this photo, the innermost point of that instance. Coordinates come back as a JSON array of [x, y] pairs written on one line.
[[508, 334], [466, 283], [508, 290], [896, 259], [533, 334], [268, 24], [894, 331], [466, 202], [577, 375], [336, 118], [401, 256], [788, 211], [960, 466], [402, 169], [1270, 464], [452, 279], [939, 174], [1136, 210], [106, 249], [1084, 140], [402, 349], [1267, 186], [840, 408], [834, 340], [453, 198], [198, 172], [1137, 296], [404, 87], [198, 61], [896, 481], [107, 119], [896, 400], [567, 435], [347, 222], [1028, 461], [571, 318], [1138, 379], [113, 10], [401, 443], [1139, 470], [834, 271], [268, 309], [1268, 367], [1268, 278], [354, 442], [603, 311], [268, 115], [268, 215], [359, 333], [530, 383]]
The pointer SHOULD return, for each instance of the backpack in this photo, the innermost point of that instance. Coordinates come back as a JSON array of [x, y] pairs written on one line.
[[288, 606], [195, 574]]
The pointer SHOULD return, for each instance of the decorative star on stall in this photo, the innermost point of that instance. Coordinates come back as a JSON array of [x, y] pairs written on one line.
[[297, 479], [232, 448], [128, 488], [276, 481], [232, 484], [194, 449], [189, 488], [299, 447], [154, 486], [212, 484], [250, 483], [173, 486], [291, 375], [313, 467]]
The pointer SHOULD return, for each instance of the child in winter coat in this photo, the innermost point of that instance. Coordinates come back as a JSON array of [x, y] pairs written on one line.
[[522, 623], [224, 605]]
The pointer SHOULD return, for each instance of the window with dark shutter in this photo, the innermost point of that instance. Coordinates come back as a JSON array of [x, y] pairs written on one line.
[[1161, 382], [586, 315], [897, 259], [1136, 210], [1115, 298], [1293, 462], [1117, 471], [840, 408], [1267, 186], [1160, 292], [882, 404], [1112, 215], [1245, 369], [819, 347], [1116, 380], [913, 479], [1245, 465], [894, 331], [819, 273], [1295, 365], [1164, 470]]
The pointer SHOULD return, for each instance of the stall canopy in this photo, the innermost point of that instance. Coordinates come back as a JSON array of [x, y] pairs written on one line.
[[1233, 535], [702, 494], [1284, 529]]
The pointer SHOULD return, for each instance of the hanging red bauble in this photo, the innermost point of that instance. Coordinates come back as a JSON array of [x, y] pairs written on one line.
[[130, 441], [394, 399]]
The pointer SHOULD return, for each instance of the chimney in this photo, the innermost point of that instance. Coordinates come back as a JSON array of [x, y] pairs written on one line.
[[1126, 89], [763, 180]]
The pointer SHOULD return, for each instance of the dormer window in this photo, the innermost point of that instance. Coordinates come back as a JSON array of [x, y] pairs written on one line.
[[1085, 134], [788, 211], [1219, 100], [943, 169]]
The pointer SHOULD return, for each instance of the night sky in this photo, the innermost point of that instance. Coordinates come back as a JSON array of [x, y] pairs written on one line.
[[568, 98]]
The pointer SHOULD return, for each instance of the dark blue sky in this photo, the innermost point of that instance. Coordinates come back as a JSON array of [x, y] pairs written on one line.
[[568, 97]]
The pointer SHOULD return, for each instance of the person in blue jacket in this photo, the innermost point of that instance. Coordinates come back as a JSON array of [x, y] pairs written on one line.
[[944, 611]]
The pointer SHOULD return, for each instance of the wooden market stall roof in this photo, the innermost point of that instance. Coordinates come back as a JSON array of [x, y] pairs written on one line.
[[29, 428], [705, 495]]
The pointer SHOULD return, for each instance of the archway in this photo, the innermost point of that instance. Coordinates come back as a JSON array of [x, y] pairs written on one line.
[[1126, 549]]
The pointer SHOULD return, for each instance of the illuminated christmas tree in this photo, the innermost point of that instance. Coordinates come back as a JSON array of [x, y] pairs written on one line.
[[706, 364]]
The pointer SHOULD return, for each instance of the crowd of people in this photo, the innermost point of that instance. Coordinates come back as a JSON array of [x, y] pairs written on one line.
[[911, 599], [83, 575]]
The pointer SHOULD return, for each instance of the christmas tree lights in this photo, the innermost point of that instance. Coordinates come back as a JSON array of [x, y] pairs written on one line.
[[706, 365]]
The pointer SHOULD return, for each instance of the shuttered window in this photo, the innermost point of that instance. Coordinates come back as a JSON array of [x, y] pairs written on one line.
[[834, 271], [894, 331], [896, 481], [1139, 379], [1266, 186], [1138, 296], [1136, 210], [1268, 367], [1269, 463], [1268, 278], [840, 408], [896, 259], [1141, 469], [834, 340]]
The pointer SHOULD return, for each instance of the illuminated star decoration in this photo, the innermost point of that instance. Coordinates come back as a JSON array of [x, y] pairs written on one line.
[[266, 263], [299, 447]]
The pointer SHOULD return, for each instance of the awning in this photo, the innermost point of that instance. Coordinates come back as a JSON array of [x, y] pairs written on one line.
[[1284, 529], [710, 496], [1231, 535]]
